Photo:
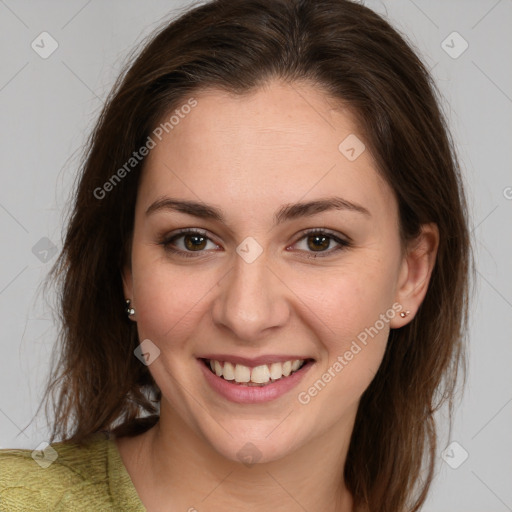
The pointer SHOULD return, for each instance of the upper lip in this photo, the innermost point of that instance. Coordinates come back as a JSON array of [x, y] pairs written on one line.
[[251, 362]]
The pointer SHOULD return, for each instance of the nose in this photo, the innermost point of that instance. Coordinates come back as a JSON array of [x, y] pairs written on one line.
[[252, 300]]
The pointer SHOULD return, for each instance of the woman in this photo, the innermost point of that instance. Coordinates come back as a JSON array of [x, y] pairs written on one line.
[[264, 279]]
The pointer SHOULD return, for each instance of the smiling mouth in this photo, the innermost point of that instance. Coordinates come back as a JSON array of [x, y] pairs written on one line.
[[258, 376]]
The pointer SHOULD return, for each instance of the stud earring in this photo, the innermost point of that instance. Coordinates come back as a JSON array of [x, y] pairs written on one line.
[[403, 314], [129, 311]]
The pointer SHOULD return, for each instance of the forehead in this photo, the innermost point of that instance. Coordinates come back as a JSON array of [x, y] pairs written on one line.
[[279, 143]]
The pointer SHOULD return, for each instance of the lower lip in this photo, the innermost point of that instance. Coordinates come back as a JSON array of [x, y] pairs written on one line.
[[253, 394]]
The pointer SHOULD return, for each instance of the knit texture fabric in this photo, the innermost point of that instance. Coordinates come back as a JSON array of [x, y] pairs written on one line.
[[81, 478]]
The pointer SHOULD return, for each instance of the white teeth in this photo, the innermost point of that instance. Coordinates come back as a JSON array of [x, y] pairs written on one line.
[[276, 371], [260, 374], [228, 371], [242, 373], [257, 375]]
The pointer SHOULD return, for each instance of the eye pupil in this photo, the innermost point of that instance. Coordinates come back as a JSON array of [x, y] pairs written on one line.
[[198, 243], [324, 241]]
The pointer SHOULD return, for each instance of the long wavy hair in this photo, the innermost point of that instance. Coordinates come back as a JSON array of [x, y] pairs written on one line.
[[353, 55]]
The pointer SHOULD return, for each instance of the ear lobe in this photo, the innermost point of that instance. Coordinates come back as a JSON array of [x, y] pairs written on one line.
[[415, 273]]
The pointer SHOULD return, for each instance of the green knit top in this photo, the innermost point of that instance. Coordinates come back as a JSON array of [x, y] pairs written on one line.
[[67, 477]]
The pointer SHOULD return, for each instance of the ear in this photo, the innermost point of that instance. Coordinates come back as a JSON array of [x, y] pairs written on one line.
[[415, 272], [126, 275]]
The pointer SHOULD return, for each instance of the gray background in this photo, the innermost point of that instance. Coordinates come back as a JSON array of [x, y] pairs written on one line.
[[49, 105]]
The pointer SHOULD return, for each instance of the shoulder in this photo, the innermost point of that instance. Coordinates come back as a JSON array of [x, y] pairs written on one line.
[[56, 476]]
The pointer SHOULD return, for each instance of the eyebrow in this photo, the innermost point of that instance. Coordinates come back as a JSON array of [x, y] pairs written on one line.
[[287, 212]]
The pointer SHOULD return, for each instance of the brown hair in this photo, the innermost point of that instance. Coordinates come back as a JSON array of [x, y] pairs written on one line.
[[356, 57]]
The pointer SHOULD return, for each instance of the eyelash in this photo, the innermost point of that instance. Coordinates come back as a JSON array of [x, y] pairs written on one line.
[[167, 241]]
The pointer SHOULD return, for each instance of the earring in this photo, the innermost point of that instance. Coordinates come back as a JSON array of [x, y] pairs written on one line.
[[129, 311], [403, 314]]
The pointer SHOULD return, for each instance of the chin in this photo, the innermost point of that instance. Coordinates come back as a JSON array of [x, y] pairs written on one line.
[[251, 452], [266, 443]]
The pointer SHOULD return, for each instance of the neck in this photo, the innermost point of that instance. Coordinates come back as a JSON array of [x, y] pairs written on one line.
[[173, 465]]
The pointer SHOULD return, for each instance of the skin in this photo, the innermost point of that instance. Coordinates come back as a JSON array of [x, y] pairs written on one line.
[[249, 155]]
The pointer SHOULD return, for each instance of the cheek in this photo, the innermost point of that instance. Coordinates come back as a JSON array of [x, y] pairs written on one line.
[[352, 310], [346, 301], [167, 297], [352, 323]]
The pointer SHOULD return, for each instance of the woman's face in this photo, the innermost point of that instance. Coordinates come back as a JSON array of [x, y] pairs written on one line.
[[253, 286]]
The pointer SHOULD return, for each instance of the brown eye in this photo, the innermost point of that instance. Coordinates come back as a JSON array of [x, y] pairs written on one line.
[[318, 243], [195, 242], [187, 242]]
